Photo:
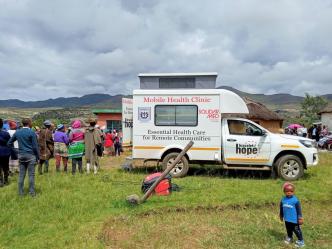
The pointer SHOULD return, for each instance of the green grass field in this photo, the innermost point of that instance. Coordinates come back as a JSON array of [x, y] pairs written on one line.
[[211, 211]]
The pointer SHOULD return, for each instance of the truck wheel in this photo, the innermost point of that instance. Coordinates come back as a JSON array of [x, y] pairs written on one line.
[[182, 167], [290, 167]]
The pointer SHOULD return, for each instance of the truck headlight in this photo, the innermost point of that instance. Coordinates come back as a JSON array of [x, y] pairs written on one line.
[[307, 143]]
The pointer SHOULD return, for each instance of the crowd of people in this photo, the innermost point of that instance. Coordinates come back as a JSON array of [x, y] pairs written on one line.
[[22, 147], [316, 131]]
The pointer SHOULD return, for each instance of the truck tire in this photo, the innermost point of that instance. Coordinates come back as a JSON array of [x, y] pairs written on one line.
[[290, 167], [182, 167]]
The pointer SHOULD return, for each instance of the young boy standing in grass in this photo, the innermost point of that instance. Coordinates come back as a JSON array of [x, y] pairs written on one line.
[[291, 213]]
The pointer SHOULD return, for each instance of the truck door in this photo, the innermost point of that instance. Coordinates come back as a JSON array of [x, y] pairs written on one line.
[[245, 143]]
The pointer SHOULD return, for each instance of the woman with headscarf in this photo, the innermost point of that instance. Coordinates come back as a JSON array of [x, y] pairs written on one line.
[[76, 147], [61, 142]]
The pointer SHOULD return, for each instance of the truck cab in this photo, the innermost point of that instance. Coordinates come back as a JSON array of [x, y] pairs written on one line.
[[248, 145]]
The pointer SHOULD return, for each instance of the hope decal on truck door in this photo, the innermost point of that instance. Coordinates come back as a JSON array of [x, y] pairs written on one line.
[[248, 149]]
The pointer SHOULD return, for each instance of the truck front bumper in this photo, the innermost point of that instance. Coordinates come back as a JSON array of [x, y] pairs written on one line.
[[315, 159], [312, 158]]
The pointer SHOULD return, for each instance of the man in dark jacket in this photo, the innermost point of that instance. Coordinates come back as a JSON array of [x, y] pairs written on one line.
[[28, 155], [4, 155]]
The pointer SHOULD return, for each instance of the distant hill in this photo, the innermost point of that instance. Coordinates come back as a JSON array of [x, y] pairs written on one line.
[[328, 96], [106, 100], [277, 99], [273, 99], [84, 101]]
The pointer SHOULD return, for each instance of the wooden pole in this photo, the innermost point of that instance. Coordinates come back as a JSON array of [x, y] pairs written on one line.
[[167, 170]]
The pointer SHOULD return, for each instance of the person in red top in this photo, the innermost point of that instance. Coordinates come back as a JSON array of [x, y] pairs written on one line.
[[109, 144]]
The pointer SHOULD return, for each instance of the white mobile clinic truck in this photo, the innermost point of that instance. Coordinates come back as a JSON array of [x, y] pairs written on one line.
[[165, 120]]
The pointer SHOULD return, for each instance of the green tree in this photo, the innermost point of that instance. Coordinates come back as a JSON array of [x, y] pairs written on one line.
[[310, 107]]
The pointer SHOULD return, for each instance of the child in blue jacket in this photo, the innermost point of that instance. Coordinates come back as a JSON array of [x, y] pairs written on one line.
[[291, 213]]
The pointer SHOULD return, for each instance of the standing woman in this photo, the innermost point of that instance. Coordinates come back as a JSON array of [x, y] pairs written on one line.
[[61, 142], [4, 155], [76, 147], [92, 140]]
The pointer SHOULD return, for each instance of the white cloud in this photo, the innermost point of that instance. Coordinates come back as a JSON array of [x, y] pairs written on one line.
[[76, 47]]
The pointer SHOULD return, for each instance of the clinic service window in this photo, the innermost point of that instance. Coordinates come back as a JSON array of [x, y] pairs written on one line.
[[176, 115]]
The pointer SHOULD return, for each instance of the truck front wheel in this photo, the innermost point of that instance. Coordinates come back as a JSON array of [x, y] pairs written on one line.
[[180, 169], [290, 167]]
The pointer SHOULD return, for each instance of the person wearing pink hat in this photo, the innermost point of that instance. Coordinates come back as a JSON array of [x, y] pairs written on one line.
[[76, 147]]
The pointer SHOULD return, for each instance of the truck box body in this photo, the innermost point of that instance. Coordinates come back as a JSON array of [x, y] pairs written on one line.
[[166, 119]]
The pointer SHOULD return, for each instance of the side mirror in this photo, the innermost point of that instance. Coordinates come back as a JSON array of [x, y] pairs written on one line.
[[264, 133]]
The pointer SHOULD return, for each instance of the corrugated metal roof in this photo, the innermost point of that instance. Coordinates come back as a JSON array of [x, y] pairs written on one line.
[[97, 111]]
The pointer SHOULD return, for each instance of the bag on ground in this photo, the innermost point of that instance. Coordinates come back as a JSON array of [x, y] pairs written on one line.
[[163, 188]]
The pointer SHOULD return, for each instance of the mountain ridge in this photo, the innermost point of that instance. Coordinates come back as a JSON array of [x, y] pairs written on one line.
[[104, 100], [84, 101], [277, 99]]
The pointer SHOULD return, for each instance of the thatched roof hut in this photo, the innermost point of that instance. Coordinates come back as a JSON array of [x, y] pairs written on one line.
[[263, 116], [327, 109], [326, 116]]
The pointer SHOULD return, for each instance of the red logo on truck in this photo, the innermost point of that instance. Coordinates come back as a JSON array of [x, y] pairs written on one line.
[[212, 114]]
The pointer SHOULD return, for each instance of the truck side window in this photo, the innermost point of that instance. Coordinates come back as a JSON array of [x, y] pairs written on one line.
[[239, 127], [236, 127], [176, 115]]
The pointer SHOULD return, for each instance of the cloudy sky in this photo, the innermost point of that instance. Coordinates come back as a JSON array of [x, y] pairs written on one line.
[[50, 49]]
